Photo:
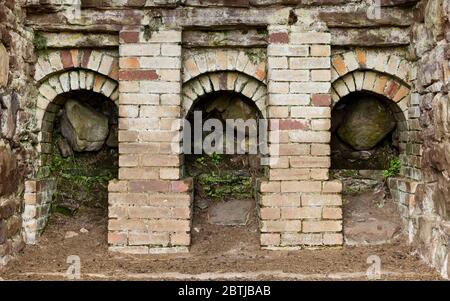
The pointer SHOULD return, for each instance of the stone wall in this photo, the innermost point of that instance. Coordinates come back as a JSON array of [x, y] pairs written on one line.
[[424, 201], [16, 136]]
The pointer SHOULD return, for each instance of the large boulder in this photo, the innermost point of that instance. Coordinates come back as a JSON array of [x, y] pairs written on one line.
[[84, 128], [366, 123]]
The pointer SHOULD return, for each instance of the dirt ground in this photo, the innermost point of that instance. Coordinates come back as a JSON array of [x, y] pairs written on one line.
[[217, 253]]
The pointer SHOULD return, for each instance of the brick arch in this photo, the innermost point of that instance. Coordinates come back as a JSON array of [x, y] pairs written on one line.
[[224, 60], [390, 64], [47, 105], [224, 81], [375, 82], [55, 61]]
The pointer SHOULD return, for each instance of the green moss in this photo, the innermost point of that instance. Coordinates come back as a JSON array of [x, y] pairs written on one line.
[[256, 55], [217, 39], [40, 43], [225, 186], [83, 179], [153, 26], [216, 179]]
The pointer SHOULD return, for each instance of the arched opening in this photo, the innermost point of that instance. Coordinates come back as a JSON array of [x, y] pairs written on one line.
[[367, 140], [225, 162], [79, 153]]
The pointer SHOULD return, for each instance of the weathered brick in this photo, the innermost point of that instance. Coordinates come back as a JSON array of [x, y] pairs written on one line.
[[309, 63], [270, 239], [310, 136], [139, 50], [322, 226], [310, 161], [295, 239], [138, 75], [289, 75], [149, 186], [281, 226], [332, 239], [300, 186], [138, 173], [180, 239], [321, 200], [280, 200], [129, 36], [270, 187], [332, 213], [309, 87], [320, 50], [321, 124], [310, 112], [279, 38], [145, 238], [321, 75], [301, 213], [332, 187], [117, 238], [310, 38], [269, 213], [321, 100]]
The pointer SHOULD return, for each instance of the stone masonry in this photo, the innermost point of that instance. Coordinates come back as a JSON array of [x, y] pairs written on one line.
[[294, 59]]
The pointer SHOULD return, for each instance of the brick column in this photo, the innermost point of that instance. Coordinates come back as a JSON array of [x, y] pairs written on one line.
[[299, 206], [150, 205]]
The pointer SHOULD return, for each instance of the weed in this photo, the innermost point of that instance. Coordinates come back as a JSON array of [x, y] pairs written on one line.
[[394, 168]]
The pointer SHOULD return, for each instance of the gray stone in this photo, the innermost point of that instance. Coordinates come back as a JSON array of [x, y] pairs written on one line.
[[113, 137], [64, 148], [367, 122], [370, 219], [9, 172], [202, 204], [230, 213], [8, 115], [4, 66], [84, 128], [434, 19], [70, 234]]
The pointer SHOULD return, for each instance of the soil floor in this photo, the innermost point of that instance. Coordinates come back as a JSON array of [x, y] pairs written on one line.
[[217, 253]]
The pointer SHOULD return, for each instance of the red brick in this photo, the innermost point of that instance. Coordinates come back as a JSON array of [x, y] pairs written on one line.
[[321, 100], [138, 75], [182, 186], [129, 36], [85, 58], [279, 38], [149, 186], [392, 89], [66, 59], [290, 124], [114, 73]]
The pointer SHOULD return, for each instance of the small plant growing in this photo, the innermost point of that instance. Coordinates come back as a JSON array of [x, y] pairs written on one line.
[[40, 42], [394, 168], [216, 159], [201, 160]]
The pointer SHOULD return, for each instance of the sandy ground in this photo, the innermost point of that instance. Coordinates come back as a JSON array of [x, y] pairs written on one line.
[[218, 253]]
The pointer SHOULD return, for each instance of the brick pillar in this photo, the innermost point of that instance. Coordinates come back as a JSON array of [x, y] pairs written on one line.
[[150, 205], [299, 206]]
